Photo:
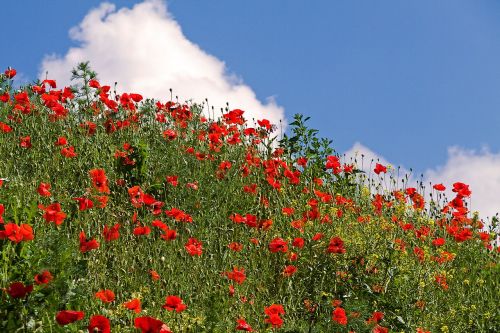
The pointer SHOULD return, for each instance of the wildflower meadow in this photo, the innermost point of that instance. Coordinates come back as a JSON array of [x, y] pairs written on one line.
[[125, 214]]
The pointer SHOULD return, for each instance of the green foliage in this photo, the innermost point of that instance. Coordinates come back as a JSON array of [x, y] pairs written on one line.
[[380, 269], [305, 142], [84, 73]]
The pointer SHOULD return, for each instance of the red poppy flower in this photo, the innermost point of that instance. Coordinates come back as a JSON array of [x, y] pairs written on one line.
[[16, 233], [19, 290], [317, 237], [10, 73], [22, 98], [419, 253], [237, 275], [135, 97], [174, 303], [5, 128], [333, 162], [234, 117], [225, 165], [61, 141], [348, 168], [68, 152], [151, 325], [51, 83], [438, 242], [242, 325], [94, 84], [103, 200], [302, 161], [172, 180], [5, 97], [463, 234], [194, 247], [99, 180], [105, 295], [274, 309], [235, 246], [65, 317], [249, 219], [87, 245], [136, 196], [336, 246], [439, 187], [44, 278], [99, 324], [25, 142], [379, 168], [2, 208], [441, 280], [53, 213], [169, 234], [339, 316], [43, 189], [264, 123], [289, 270], [461, 189], [169, 134], [278, 245], [292, 256], [154, 275], [231, 290], [160, 225], [298, 242], [376, 317], [274, 320], [133, 305], [140, 231], [90, 127], [112, 233], [39, 90], [84, 203]]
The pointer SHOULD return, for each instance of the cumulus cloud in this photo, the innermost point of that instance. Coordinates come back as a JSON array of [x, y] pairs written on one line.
[[145, 51], [478, 169], [364, 157]]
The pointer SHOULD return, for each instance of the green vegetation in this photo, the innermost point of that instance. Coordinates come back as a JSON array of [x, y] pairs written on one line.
[[110, 205]]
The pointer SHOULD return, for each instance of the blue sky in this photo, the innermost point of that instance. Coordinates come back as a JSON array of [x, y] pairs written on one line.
[[405, 79]]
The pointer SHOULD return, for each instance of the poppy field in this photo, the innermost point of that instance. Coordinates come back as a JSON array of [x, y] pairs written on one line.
[[125, 214]]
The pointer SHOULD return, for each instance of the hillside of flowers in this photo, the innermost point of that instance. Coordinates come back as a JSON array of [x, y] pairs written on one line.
[[125, 214]]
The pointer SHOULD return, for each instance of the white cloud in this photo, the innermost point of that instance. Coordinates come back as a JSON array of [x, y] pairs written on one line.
[[480, 170], [364, 157], [145, 51]]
